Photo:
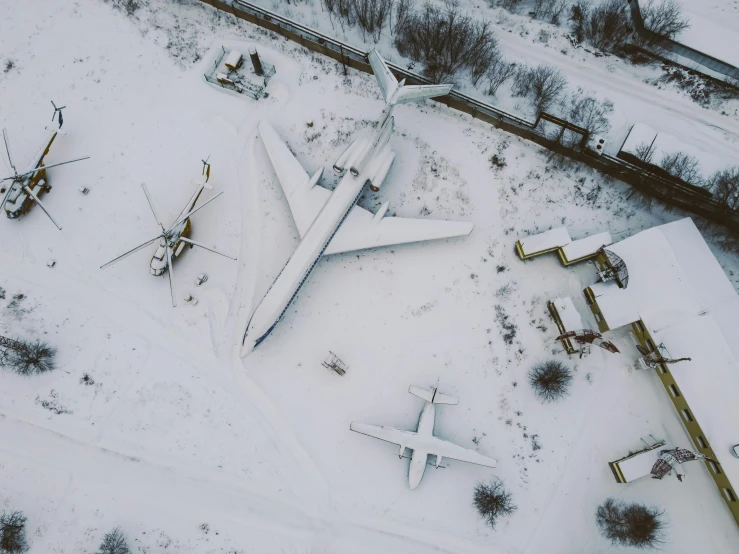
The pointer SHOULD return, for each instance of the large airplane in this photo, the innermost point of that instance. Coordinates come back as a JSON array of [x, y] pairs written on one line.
[[422, 441], [331, 222]]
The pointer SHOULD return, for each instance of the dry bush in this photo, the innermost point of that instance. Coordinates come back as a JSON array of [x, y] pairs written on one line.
[[498, 73], [510, 5], [493, 501], [606, 26], [550, 380], [13, 533], [682, 166], [590, 113], [645, 152], [543, 85], [630, 524]]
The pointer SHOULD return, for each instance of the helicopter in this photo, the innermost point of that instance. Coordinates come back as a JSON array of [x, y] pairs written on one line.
[[25, 188], [172, 240]]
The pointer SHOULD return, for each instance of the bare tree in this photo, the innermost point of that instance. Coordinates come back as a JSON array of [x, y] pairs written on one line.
[[371, 15], [682, 166], [493, 501], [630, 524], [13, 533], [724, 185], [664, 17], [27, 357], [510, 5], [498, 73], [645, 151], [543, 85], [590, 113], [114, 543], [550, 380], [549, 10], [606, 26], [403, 11]]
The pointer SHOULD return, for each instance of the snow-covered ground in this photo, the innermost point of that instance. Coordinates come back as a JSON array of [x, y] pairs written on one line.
[[188, 447]]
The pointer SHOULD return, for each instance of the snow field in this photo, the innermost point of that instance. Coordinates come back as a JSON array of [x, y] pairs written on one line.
[[292, 477]]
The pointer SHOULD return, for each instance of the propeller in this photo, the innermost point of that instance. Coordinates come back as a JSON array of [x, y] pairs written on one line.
[[153, 211], [170, 272], [188, 214], [7, 150], [132, 251], [41, 205], [188, 241], [58, 110]]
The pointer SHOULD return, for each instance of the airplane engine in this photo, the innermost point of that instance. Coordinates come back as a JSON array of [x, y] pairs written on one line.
[[349, 154], [381, 171], [375, 149]]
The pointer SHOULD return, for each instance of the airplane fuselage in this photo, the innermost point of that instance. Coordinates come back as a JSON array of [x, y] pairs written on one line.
[[419, 458], [158, 264], [273, 306]]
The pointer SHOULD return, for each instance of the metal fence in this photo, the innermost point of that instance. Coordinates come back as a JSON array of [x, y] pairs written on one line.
[[666, 190], [235, 83]]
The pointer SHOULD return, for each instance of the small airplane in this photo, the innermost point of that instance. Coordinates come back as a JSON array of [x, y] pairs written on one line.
[[422, 442], [172, 241], [331, 222], [25, 188]]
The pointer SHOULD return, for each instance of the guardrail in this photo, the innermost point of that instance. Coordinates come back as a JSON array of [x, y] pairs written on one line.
[[665, 190]]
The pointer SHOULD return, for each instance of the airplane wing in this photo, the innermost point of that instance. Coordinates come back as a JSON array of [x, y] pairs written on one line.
[[362, 229], [448, 449], [385, 79], [389, 434], [305, 199], [416, 92]]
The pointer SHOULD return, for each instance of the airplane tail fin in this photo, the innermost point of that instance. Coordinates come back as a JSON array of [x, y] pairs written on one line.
[[432, 395], [396, 93]]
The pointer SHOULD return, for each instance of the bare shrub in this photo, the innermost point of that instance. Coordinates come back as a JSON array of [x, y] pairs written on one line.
[[630, 524], [499, 71], [28, 357], [543, 85], [682, 166], [550, 380], [371, 15], [446, 40], [590, 113], [724, 185], [13, 533], [114, 543], [493, 501], [606, 26], [341, 9], [129, 7]]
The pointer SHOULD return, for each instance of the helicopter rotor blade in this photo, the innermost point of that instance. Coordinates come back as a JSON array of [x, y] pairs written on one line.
[[151, 205], [41, 205], [133, 250], [7, 149], [187, 215], [41, 168], [170, 273], [188, 241]]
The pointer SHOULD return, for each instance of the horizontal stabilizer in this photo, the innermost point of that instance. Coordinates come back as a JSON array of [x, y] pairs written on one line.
[[433, 395], [413, 93]]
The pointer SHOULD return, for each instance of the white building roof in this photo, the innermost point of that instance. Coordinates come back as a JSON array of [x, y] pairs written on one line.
[[682, 295], [568, 314], [548, 240], [586, 247]]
